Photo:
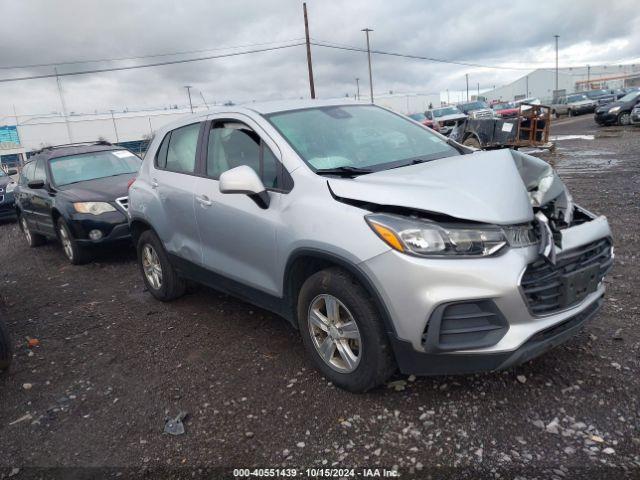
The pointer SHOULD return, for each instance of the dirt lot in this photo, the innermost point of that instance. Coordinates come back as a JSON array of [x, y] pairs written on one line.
[[113, 363]]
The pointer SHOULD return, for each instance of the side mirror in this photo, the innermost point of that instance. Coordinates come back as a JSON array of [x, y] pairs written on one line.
[[244, 179], [36, 184], [12, 171]]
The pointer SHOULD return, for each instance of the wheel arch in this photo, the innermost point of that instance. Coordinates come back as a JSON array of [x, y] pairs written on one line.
[[304, 262], [137, 226]]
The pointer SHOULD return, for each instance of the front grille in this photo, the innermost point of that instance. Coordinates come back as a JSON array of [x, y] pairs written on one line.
[[123, 202], [542, 282]]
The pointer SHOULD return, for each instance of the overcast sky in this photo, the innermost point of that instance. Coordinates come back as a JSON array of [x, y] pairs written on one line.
[[515, 34]]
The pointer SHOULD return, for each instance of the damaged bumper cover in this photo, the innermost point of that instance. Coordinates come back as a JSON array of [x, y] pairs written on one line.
[[464, 316]]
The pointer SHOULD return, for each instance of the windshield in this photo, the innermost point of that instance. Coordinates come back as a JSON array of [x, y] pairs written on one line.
[[597, 93], [89, 166], [360, 136], [629, 96], [473, 106], [577, 98], [441, 112]]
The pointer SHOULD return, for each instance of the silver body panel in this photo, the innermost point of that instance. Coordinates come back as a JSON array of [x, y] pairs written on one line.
[[230, 235]]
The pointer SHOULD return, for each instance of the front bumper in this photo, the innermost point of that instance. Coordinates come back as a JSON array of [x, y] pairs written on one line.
[[606, 118], [113, 225], [415, 289]]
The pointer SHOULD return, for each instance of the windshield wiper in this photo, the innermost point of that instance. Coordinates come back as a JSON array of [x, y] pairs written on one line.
[[345, 170]]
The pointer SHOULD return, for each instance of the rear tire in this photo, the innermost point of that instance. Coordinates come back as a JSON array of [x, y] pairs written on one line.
[[5, 347], [624, 119], [159, 276], [33, 239], [70, 247], [357, 357], [570, 113]]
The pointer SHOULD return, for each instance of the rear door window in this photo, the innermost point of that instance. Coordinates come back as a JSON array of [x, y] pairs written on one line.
[[177, 152]]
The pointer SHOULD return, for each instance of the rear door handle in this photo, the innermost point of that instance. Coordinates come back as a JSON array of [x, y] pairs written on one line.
[[204, 201]]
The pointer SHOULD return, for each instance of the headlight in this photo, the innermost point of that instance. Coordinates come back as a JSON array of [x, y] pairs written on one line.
[[94, 208], [423, 238], [614, 109]]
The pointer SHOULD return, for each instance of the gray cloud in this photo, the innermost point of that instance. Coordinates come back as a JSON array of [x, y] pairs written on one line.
[[490, 32]]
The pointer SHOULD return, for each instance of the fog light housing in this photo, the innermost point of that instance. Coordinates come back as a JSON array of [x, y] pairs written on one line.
[[95, 235]]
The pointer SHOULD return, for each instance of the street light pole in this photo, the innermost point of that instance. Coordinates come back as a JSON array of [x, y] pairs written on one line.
[[466, 75], [556, 37], [357, 88], [366, 31], [188, 87]]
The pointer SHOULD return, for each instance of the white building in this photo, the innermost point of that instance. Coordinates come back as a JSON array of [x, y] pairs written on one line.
[[541, 83]]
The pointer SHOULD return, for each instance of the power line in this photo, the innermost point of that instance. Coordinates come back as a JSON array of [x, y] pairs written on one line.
[[146, 65], [155, 55], [417, 57]]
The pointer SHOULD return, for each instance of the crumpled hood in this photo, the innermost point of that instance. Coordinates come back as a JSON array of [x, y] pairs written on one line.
[[498, 187]]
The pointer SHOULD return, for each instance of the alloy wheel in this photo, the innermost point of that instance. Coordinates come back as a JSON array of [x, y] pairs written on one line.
[[25, 230], [66, 243], [151, 266], [624, 119], [334, 333]]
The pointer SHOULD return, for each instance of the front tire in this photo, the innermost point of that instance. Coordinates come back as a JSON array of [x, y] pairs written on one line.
[[74, 252], [342, 331], [158, 274], [624, 119]]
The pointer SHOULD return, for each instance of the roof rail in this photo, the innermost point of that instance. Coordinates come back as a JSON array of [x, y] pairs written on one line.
[[53, 147]]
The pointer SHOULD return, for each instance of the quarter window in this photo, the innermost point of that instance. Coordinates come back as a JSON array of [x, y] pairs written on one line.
[[232, 144]]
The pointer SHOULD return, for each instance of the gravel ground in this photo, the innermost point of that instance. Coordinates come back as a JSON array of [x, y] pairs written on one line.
[[113, 363]]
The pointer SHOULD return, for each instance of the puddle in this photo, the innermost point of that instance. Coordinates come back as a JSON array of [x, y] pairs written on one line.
[[582, 164], [559, 138]]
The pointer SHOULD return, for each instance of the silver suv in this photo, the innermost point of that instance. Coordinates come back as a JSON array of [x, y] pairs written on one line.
[[386, 244]]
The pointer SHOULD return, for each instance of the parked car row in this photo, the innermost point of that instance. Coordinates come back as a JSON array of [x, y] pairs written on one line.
[[618, 112], [378, 239]]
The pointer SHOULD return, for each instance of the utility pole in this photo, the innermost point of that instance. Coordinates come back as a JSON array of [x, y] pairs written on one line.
[[189, 87], [115, 128], [357, 88], [64, 105], [466, 75], [588, 77], [556, 37], [366, 31], [448, 102], [312, 87], [478, 90], [526, 79]]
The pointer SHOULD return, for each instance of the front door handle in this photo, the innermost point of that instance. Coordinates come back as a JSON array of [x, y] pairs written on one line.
[[204, 201]]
